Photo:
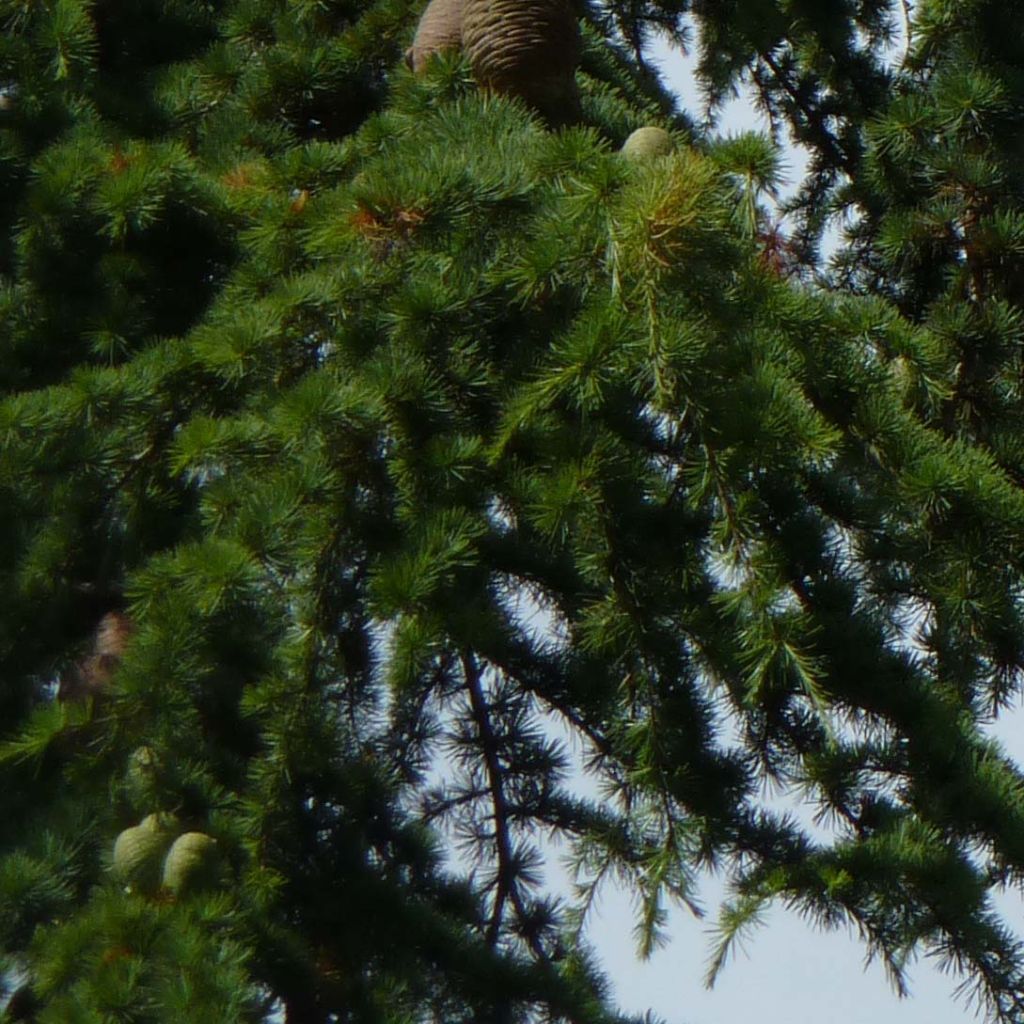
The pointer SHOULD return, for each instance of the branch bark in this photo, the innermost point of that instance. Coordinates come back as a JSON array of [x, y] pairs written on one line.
[[507, 890]]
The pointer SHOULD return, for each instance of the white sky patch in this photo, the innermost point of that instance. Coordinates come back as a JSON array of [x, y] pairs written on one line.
[[739, 115], [743, 114]]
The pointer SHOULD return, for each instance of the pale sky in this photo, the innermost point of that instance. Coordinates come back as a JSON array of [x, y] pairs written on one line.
[[788, 973]]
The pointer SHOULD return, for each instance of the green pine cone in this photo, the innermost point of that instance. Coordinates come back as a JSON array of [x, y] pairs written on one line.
[[191, 863], [138, 852], [143, 765], [648, 142]]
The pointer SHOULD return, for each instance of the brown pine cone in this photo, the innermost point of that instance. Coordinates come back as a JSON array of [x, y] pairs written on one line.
[[91, 675], [526, 48], [439, 30]]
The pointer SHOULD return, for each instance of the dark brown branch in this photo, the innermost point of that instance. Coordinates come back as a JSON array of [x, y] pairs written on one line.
[[813, 117], [506, 889]]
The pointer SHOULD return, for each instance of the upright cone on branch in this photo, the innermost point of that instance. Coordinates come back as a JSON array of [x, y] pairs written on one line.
[[648, 143], [191, 863], [526, 48], [139, 851], [141, 775], [91, 675], [439, 31]]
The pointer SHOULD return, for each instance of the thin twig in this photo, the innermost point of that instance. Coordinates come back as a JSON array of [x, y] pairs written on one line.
[[908, 8]]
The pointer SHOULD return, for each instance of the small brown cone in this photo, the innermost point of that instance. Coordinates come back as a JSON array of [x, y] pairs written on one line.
[[92, 674], [439, 31]]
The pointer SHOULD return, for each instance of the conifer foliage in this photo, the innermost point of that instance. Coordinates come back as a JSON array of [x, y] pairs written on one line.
[[367, 427]]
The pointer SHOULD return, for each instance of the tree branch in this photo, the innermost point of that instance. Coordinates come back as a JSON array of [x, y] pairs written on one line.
[[507, 890]]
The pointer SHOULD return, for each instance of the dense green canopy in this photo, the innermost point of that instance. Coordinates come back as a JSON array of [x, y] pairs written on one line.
[[356, 420]]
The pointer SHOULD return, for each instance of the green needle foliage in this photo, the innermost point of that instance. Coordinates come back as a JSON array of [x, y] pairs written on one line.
[[366, 447]]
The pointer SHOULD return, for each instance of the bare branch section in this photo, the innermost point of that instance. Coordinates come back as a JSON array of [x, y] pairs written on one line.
[[507, 889]]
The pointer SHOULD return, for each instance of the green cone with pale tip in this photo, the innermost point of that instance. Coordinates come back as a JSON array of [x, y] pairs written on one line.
[[191, 863], [143, 766], [648, 142]]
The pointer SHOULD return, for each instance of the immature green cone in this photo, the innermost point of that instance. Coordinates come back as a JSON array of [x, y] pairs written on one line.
[[439, 31], [526, 48], [141, 775], [138, 852], [191, 863], [142, 764], [905, 376], [648, 142]]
